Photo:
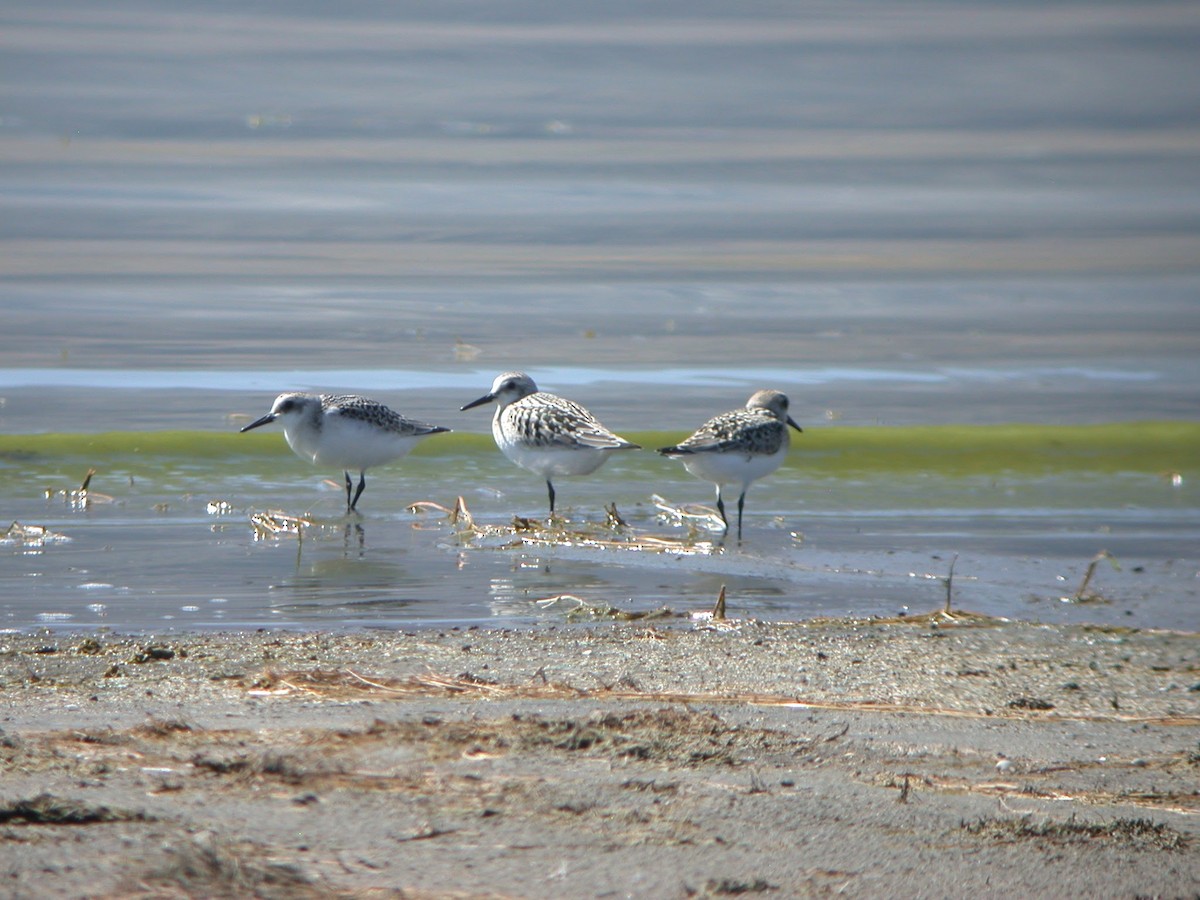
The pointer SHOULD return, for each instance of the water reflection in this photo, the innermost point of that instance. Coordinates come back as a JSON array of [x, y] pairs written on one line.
[[532, 580], [355, 539], [336, 582]]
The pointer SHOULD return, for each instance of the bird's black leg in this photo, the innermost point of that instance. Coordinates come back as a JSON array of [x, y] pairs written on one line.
[[362, 483], [741, 504], [349, 487], [550, 488], [721, 508]]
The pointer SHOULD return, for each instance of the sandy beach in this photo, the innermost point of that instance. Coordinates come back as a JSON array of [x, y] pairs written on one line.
[[934, 757], [964, 238]]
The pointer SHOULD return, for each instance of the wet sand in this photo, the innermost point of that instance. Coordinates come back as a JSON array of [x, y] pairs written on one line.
[[931, 757]]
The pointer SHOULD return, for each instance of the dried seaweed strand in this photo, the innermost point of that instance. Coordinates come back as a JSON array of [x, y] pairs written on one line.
[[419, 684]]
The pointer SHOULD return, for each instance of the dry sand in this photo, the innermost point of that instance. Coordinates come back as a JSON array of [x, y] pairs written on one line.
[[633, 759]]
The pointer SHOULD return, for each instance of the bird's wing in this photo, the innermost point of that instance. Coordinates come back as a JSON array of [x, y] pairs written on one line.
[[549, 421], [749, 430]]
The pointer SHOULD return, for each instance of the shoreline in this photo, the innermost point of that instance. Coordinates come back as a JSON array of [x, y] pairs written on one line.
[[926, 757]]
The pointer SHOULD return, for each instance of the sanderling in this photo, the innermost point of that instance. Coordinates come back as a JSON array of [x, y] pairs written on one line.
[[738, 447], [345, 430], [547, 434]]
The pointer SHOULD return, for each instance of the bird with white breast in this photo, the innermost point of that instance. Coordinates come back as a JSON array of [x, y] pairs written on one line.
[[738, 447], [345, 430], [547, 434]]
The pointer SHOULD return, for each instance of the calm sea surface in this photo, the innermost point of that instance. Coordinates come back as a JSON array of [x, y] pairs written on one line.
[[920, 220]]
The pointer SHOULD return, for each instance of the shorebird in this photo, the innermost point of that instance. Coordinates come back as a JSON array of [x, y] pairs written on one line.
[[738, 447], [345, 430], [544, 433]]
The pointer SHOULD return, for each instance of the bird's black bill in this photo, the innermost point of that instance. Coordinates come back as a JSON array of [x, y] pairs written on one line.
[[486, 398], [792, 422], [265, 420]]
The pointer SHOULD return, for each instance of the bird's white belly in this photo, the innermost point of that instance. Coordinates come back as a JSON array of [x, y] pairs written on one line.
[[349, 445], [549, 462], [733, 468]]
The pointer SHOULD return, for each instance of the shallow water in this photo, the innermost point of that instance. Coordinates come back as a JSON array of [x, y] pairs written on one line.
[[860, 521], [914, 218]]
